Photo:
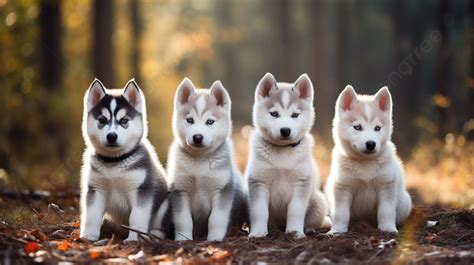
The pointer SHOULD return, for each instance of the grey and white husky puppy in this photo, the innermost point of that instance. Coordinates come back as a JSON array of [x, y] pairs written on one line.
[[282, 174], [121, 176], [206, 191], [366, 179]]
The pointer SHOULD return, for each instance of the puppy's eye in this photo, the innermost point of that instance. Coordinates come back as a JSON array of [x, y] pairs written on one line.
[[295, 115], [102, 120], [358, 127], [190, 120], [275, 114], [209, 122], [123, 121], [377, 128]]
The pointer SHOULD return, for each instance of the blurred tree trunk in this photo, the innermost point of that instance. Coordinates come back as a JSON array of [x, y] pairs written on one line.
[[136, 38], [230, 72], [51, 63], [279, 47], [442, 68], [102, 49], [402, 88], [343, 42], [321, 67]]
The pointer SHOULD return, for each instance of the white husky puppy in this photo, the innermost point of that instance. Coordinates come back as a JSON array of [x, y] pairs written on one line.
[[366, 179], [206, 188], [121, 175], [282, 174]]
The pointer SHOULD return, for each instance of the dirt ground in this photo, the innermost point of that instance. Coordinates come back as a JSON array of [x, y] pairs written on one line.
[[36, 231]]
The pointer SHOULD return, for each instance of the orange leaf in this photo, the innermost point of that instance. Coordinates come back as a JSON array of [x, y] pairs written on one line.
[[64, 246], [76, 224], [94, 254], [31, 247]]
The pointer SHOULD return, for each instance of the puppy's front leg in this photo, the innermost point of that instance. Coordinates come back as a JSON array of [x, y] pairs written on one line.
[[182, 218], [386, 211], [220, 214], [297, 208], [92, 213], [259, 197], [139, 216], [342, 210]]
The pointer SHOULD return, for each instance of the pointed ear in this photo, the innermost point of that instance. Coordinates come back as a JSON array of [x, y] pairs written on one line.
[[347, 98], [220, 94], [304, 87], [266, 87], [184, 91], [384, 99], [133, 95], [94, 94]]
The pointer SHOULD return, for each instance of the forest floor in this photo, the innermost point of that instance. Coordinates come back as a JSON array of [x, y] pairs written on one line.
[[38, 231]]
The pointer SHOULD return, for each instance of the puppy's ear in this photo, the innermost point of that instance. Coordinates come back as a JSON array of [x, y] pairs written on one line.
[[94, 94], [183, 92], [384, 99], [266, 87], [221, 95], [304, 87], [134, 95], [347, 99]]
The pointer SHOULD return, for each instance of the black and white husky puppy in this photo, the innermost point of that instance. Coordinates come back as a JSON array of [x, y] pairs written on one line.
[[121, 176], [206, 193]]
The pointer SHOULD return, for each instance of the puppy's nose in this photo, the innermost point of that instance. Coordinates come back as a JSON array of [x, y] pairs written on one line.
[[370, 145], [285, 132], [197, 138], [112, 138]]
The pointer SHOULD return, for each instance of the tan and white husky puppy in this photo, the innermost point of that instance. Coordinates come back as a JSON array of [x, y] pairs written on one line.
[[207, 194], [366, 179], [282, 174]]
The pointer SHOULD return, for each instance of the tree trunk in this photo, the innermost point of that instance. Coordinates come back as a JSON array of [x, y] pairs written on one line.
[[50, 25], [102, 49], [136, 38]]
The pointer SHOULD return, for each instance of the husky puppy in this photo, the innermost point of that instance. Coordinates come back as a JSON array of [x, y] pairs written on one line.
[[282, 174], [206, 188], [121, 175], [366, 179]]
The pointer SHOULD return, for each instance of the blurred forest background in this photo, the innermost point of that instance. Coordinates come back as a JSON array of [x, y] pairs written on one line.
[[424, 50]]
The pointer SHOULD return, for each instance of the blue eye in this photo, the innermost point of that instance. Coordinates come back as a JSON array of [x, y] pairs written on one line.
[[123, 121], [275, 114], [102, 120], [190, 120], [295, 115], [209, 122], [377, 128], [358, 127]]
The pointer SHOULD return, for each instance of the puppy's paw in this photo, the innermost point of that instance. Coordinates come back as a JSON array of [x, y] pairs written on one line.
[[336, 232], [296, 234], [326, 222], [389, 228], [181, 237], [90, 237], [257, 234]]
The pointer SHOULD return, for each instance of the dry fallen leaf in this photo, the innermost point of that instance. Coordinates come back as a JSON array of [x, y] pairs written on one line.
[[76, 224], [64, 246], [94, 254], [31, 247]]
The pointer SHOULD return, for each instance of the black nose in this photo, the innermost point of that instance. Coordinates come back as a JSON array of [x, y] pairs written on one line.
[[285, 132], [112, 138], [197, 138], [370, 145]]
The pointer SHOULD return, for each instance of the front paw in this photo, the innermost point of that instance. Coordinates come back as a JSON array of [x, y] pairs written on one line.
[[181, 237], [388, 228], [257, 233], [296, 234], [336, 232], [90, 237], [215, 238]]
